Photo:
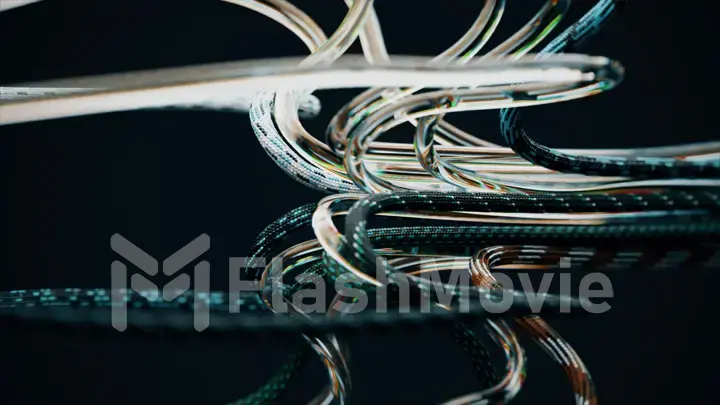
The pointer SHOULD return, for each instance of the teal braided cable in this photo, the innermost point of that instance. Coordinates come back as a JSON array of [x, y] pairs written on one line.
[[685, 236], [276, 232], [275, 387], [472, 345], [79, 309], [635, 167], [472, 236], [359, 249], [264, 243]]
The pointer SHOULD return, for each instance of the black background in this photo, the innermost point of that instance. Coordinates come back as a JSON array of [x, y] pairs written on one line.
[[162, 178]]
